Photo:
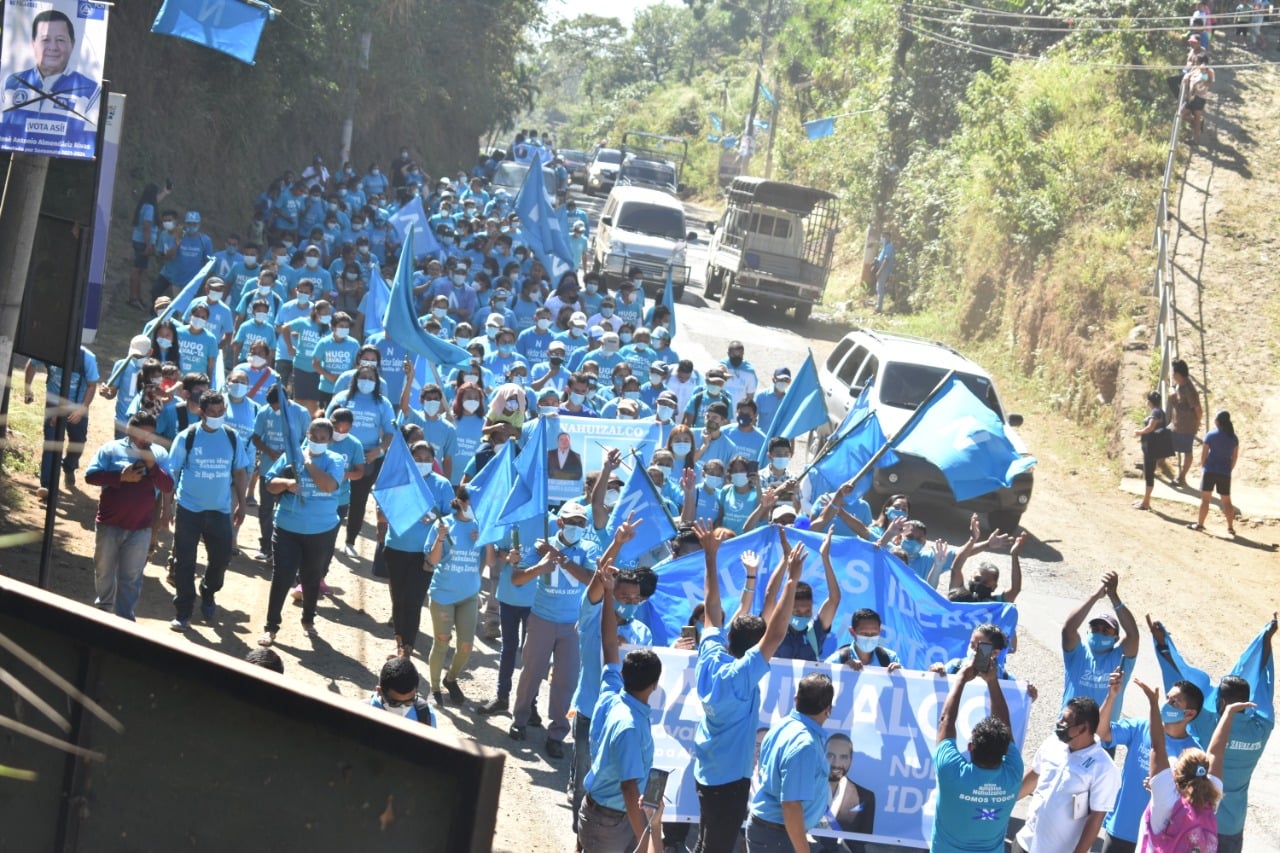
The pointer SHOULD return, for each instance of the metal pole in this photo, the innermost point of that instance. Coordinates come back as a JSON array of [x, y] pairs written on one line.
[[750, 130], [19, 213], [773, 134]]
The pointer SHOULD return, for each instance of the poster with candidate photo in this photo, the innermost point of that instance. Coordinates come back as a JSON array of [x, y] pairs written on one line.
[[51, 61]]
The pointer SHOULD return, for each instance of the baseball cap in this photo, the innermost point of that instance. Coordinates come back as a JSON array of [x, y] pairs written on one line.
[[495, 319], [659, 367], [661, 332], [610, 338], [595, 333], [667, 397], [193, 216], [572, 509], [161, 303], [578, 319], [556, 346], [782, 511], [1108, 619], [139, 345], [782, 373]]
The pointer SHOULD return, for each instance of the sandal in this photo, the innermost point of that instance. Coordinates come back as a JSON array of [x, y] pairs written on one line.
[[1194, 526], [1140, 505], [267, 639], [309, 629]]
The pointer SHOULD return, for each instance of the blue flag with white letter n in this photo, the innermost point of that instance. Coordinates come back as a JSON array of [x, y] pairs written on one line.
[[230, 26], [641, 498]]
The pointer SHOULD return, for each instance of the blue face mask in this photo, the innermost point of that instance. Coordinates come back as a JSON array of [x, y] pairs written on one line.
[[506, 349], [866, 645], [893, 513], [365, 386], [626, 612], [572, 534], [1100, 644], [801, 623], [1170, 714], [912, 547]]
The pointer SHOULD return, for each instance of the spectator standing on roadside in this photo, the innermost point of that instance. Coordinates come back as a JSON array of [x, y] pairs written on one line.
[[130, 470], [1218, 459], [1150, 451], [883, 268], [1184, 415], [74, 409]]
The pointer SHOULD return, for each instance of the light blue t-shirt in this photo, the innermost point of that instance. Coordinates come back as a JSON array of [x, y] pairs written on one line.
[[457, 575], [306, 336], [1135, 735], [591, 655], [528, 532], [767, 404], [391, 365], [621, 741], [729, 689], [737, 507], [311, 510], [469, 439], [559, 592], [1086, 674], [242, 417], [268, 426], [204, 475], [749, 444], [719, 447], [251, 331], [335, 357], [793, 768], [973, 803], [352, 451], [195, 349], [371, 419]]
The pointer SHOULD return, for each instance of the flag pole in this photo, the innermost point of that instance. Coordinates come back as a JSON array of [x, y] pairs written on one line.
[[889, 443]]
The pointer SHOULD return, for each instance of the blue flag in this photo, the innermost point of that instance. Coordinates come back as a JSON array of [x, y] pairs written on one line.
[[715, 122], [803, 407], [1251, 667], [669, 300], [528, 497], [919, 623], [640, 497], [230, 26], [178, 307], [400, 490], [536, 225], [713, 137], [292, 443], [488, 492], [856, 445], [820, 128], [966, 440], [400, 321], [413, 217], [375, 302], [767, 95]]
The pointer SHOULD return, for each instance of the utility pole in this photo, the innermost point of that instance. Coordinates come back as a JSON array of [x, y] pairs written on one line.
[[750, 132], [773, 134], [19, 212]]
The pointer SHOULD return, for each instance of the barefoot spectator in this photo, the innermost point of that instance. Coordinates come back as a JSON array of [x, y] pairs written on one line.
[[1184, 416]]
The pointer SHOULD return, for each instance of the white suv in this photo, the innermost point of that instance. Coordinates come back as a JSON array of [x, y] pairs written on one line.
[[905, 370]]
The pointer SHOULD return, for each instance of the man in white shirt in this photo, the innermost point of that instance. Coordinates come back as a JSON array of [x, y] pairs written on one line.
[[1072, 782]]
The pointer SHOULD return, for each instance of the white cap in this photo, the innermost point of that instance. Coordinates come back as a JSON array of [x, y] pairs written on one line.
[[140, 345], [578, 319], [496, 319]]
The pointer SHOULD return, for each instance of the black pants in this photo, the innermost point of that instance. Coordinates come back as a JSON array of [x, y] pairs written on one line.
[[723, 809], [409, 585], [266, 515], [360, 490], [1118, 845], [1149, 469], [304, 556]]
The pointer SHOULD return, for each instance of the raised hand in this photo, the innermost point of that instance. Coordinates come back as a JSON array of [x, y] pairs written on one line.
[[795, 561], [706, 533], [1018, 544], [825, 549], [627, 530], [999, 541], [750, 561], [1115, 681], [1158, 633], [612, 461], [1153, 693], [975, 527], [688, 479]]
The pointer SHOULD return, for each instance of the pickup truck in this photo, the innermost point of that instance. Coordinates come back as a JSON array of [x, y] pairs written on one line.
[[773, 244]]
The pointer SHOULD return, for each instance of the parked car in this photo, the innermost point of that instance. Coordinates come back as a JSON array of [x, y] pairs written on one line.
[[510, 176], [905, 370]]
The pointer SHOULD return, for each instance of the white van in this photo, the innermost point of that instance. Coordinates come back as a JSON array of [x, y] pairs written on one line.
[[644, 228]]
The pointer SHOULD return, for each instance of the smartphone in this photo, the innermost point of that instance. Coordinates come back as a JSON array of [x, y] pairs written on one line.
[[982, 657], [655, 787], [689, 632], [753, 470]]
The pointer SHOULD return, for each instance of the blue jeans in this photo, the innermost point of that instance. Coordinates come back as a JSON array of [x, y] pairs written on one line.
[[581, 762], [515, 622], [304, 556], [768, 838], [189, 528], [76, 435], [119, 556]]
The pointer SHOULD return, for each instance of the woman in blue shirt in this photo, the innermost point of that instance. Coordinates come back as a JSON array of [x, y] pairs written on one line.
[[306, 514], [468, 417], [373, 423], [258, 370], [1218, 459], [408, 574], [144, 234], [739, 499], [455, 558], [703, 502], [301, 338]]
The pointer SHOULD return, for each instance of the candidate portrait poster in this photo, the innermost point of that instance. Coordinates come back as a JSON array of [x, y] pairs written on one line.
[[51, 62], [577, 446]]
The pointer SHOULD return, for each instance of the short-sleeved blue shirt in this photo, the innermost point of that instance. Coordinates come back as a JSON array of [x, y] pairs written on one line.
[[621, 741], [793, 768], [559, 592], [591, 654], [729, 689], [457, 575], [311, 510], [204, 474], [973, 803]]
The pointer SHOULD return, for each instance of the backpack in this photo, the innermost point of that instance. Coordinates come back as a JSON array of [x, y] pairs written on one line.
[[1190, 830], [190, 442]]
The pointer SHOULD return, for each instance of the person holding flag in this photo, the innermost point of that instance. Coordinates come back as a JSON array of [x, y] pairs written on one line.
[[306, 483]]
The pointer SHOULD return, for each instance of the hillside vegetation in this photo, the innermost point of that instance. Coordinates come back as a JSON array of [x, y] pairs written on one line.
[[1017, 158]]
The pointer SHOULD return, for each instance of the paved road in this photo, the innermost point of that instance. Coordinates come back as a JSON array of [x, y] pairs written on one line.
[[774, 339]]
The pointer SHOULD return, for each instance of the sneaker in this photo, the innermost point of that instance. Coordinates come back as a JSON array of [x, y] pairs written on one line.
[[296, 593], [455, 692], [516, 732], [262, 556], [324, 588], [348, 550], [555, 749], [438, 696], [180, 624], [251, 502], [208, 611], [499, 705], [535, 721], [69, 479]]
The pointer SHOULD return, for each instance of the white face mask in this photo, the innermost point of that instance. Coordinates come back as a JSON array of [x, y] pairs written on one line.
[[215, 296], [431, 407], [424, 468], [214, 423], [543, 324], [317, 448], [611, 497], [197, 323], [260, 317], [781, 387], [665, 413], [340, 333], [257, 362], [237, 390], [470, 406], [312, 262], [681, 448]]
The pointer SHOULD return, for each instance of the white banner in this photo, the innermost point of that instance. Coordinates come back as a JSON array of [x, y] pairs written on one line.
[[891, 720], [51, 61]]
